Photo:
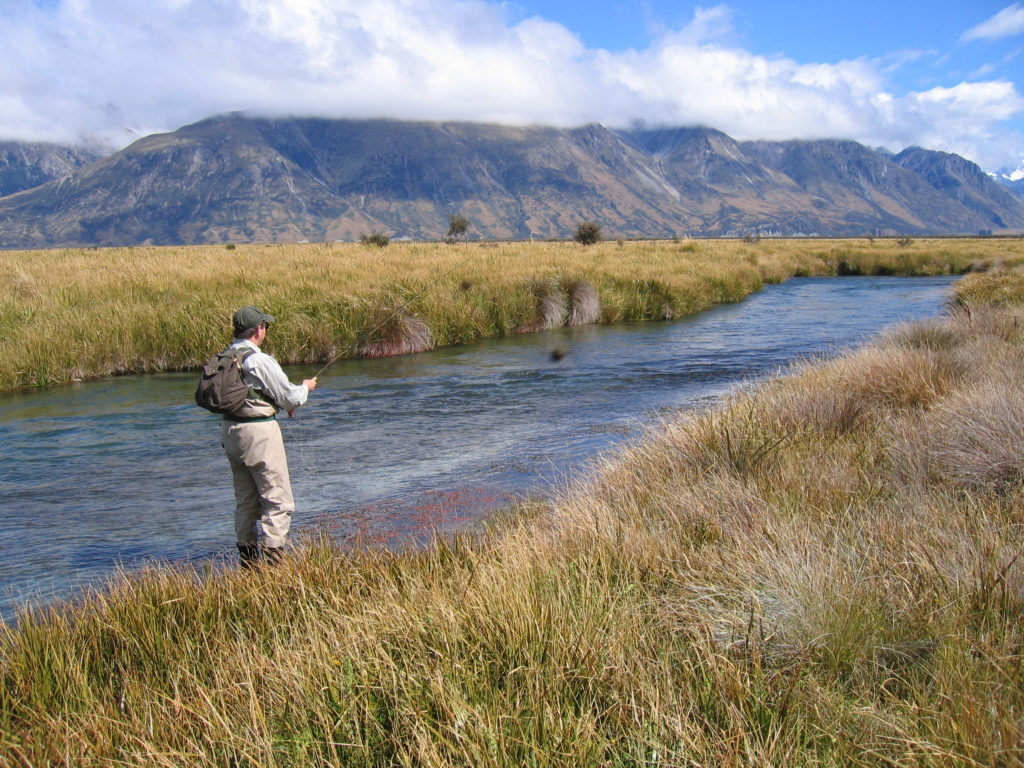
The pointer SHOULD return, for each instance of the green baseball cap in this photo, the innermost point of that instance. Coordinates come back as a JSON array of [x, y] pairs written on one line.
[[250, 317]]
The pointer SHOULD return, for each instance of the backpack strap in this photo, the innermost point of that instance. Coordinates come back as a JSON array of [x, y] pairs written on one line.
[[241, 355]]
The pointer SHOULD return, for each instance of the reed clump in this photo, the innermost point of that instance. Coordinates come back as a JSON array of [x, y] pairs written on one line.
[[395, 332], [823, 570], [551, 307], [83, 313], [584, 303]]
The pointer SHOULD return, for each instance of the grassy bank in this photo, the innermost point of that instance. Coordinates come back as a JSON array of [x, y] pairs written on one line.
[[825, 571], [76, 314]]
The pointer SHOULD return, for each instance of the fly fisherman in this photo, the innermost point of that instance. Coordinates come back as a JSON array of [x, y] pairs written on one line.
[[252, 440]]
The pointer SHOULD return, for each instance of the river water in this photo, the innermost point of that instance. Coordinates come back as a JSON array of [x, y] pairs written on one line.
[[123, 471]]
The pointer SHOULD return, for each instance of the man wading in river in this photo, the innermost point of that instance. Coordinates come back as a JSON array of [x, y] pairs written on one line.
[[252, 440]]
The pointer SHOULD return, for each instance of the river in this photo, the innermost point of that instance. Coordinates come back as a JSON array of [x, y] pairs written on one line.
[[123, 471]]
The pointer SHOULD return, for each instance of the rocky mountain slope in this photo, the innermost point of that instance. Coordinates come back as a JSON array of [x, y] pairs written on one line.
[[238, 179], [961, 180], [27, 165]]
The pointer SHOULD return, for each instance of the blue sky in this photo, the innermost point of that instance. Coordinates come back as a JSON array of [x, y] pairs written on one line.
[[921, 41], [945, 75], [807, 31]]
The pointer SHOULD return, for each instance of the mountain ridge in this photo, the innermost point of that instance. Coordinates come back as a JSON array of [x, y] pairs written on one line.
[[234, 178], [24, 165]]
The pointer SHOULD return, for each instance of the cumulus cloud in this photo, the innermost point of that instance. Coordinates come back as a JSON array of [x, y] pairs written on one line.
[[1009, 21], [117, 69], [965, 119]]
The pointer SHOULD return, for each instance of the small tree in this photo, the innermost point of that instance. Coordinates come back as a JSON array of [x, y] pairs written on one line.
[[375, 238], [457, 225], [587, 233]]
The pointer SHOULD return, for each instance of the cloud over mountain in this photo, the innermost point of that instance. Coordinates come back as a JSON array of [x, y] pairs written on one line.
[[118, 69]]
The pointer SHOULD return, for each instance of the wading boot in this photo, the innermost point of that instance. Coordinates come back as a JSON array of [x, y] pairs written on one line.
[[248, 555], [273, 555]]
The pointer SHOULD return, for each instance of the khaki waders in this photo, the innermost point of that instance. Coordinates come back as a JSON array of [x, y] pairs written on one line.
[[263, 491]]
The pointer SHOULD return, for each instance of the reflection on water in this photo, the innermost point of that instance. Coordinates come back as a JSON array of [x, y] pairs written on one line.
[[128, 469]]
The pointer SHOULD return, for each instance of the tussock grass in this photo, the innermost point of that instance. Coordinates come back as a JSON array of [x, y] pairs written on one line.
[[552, 307], [81, 313], [584, 303], [393, 333], [974, 437], [999, 288], [822, 571]]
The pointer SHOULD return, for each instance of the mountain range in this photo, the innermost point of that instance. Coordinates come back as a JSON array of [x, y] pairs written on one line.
[[1011, 179], [236, 178]]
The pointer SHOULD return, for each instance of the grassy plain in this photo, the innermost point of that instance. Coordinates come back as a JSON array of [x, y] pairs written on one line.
[[83, 313], [823, 571]]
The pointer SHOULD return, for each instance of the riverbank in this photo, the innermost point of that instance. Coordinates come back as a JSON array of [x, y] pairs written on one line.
[[823, 571], [75, 314]]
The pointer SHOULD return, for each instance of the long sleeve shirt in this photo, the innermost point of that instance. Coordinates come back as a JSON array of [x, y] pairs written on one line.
[[264, 374]]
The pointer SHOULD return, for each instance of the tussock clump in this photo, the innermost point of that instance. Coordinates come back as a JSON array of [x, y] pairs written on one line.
[[815, 403], [934, 335], [584, 303], [684, 507], [1000, 288], [987, 353], [24, 285], [1004, 323], [973, 438], [739, 440], [837, 607], [396, 333], [551, 307], [899, 378], [720, 508]]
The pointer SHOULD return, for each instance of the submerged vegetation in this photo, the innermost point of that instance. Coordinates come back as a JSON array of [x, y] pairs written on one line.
[[81, 313], [821, 571]]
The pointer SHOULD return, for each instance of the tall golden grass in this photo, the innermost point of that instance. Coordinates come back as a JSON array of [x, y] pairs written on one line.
[[823, 571], [75, 314]]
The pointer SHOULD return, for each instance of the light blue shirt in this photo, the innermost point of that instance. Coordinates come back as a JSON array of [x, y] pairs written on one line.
[[264, 374]]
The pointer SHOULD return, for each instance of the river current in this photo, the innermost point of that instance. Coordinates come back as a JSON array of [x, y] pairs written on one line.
[[124, 471]]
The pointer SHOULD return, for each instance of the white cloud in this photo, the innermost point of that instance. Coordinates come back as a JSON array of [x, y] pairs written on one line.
[[745, 95], [997, 100], [708, 25], [1009, 21], [965, 119], [118, 68]]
